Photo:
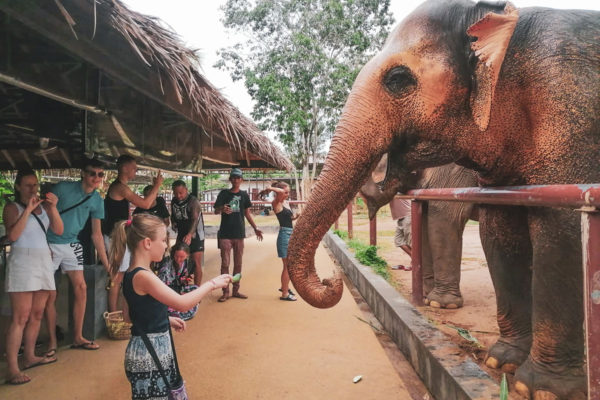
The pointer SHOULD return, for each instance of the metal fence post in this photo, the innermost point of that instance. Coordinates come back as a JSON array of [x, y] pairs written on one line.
[[349, 211], [590, 228], [373, 231], [416, 214]]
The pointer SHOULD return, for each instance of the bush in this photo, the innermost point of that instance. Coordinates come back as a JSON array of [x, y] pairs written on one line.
[[342, 234], [367, 255]]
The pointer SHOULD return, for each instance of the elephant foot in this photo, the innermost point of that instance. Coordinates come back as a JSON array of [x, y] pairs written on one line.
[[508, 354], [438, 300], [533, 381]]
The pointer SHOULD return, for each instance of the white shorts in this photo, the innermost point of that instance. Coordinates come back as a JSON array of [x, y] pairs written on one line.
[[69, 257], [126, 257]]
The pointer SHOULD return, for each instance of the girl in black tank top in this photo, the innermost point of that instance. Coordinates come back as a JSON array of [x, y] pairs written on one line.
[[147, 299], [285, 216]]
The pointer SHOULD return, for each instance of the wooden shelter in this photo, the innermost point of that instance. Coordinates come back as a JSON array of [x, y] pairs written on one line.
[[83, 77]]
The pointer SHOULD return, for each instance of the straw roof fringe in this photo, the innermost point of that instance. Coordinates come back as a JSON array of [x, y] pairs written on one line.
[[162, 49]]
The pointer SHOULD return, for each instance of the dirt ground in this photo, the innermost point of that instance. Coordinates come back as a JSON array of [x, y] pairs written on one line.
[[478, 315], [260, 348]]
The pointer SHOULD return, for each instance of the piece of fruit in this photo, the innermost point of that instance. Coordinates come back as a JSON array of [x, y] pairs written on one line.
[[236, 278]]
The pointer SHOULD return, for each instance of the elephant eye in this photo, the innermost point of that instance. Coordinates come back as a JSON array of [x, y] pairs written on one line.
[[398, 80]]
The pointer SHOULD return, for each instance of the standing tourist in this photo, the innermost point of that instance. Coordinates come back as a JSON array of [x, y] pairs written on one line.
[[158, 207], [233, 204], [77, 201], [116, 208], [29, 273], [148, 299], [400, 210], [285, 216], [186, 215]]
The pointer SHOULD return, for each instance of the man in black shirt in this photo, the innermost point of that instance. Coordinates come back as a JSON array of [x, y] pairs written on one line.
[[233, 205], [186, 215], [158, 207]]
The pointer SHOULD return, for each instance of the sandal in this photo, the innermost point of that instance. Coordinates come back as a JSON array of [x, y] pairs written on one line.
[[289, 297], [50, 353], [289, 291], [19, 379], [85, 346], [43, 361], [223, 298]]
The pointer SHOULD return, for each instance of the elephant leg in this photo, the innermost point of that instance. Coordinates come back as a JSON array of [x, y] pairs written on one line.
[[445, 244], [556, 360], [506, 243]]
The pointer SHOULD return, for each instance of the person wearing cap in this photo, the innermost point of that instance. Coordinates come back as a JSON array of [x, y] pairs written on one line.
[[233, 204]]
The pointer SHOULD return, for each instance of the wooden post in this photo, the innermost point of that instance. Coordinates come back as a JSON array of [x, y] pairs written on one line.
[[337, 224], [416, 252], [373, 231], [349, 211], [590, 224]]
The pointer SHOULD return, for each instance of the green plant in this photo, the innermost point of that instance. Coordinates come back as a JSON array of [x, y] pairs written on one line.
[[367, 255], [504, 388], [342, 234]]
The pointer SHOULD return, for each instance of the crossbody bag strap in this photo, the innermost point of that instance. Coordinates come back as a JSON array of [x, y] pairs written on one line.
[[75, 205], [155, 358], [37, 218]]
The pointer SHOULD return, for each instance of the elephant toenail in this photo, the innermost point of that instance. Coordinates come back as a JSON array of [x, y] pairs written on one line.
[[492, 362], [509, 368], [522, 389]]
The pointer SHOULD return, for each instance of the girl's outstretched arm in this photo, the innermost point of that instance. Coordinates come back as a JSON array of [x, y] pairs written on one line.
[[147, 283]]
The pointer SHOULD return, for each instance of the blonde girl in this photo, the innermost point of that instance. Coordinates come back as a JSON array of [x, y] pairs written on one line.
[[285, 216], [148, 299]]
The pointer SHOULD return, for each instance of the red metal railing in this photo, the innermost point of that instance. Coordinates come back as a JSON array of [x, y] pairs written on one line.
[[583, 198]]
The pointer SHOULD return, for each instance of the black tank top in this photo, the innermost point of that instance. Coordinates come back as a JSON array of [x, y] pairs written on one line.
[[285, 217], [147, 314], [114, 211]]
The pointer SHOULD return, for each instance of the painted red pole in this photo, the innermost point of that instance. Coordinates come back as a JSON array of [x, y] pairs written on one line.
[[373, 231], [569, 196], [590, 227], [416, 214], [337, 224], [349, 211]]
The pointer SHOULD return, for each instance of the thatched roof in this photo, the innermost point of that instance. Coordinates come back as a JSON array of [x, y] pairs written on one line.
[[138, 56]]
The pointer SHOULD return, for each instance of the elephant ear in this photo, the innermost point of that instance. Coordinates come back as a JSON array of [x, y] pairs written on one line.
[[493, 33]]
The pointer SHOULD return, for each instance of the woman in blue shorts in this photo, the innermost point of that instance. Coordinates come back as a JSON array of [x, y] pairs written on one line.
[[285, 216]]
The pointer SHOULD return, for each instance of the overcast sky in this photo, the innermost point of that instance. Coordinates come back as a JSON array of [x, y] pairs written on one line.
[[198, 23]]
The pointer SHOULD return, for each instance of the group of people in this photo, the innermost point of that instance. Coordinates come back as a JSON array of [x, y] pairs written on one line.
[[44, 231]]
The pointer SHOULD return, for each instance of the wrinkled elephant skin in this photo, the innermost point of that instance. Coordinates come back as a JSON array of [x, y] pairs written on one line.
[[513, 95]]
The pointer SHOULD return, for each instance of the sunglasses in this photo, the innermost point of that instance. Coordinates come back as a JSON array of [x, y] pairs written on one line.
[[94, 173]]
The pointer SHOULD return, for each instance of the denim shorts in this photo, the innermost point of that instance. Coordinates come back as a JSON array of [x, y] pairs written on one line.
[[282, 241]]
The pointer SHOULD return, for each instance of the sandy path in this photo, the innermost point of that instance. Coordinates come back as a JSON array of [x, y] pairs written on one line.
[[260, 348]]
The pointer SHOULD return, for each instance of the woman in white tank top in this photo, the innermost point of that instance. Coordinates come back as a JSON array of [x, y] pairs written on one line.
[[29, 272]]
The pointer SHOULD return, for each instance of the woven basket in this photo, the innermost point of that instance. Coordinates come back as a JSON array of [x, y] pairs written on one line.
[[117, 328]]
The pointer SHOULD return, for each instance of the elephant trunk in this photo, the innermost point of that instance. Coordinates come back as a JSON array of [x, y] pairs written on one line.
[[355, 150]]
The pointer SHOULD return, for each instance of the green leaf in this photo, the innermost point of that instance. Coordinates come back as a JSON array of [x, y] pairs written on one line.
[[504, 388]]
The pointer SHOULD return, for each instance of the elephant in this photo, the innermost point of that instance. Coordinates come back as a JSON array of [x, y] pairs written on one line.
[[443, 226], [513, 95]]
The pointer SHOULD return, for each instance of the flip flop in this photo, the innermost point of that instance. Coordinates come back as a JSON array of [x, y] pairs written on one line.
[[289, 297], [289, 291], [85, 346], [43, 361], [16, 381], [50, 353]]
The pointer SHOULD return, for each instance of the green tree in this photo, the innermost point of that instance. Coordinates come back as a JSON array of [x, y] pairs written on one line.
[[299, 62]]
